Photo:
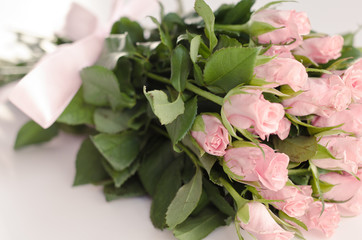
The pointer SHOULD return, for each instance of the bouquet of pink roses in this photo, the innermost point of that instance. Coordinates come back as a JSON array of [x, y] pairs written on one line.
[[230, 115]]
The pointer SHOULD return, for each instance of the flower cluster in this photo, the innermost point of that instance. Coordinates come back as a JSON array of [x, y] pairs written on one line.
[[246, 114]]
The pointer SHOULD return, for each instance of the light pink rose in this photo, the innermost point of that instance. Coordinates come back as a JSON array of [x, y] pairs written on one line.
[[283, 129], [321, 50], [251, 109], [250, 165], [292, 25], [353, 80], [280, 71], [215, 138], [327, 222], [279, 51], [351, 119], [321, 96], [295, 199], [347, 150], [262, 225], [347, 187]]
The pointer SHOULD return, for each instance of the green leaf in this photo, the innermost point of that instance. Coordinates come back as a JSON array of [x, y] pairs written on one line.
[[227, 42], [315, 182], [101, 88], [217, 199], [305, 61], [119, 177], [77, 112], [207, 15], [88, 165], [240, 13], [131, 188], [133, 28], [180, 67], [230, 67], [323, 152], [185, 201], [183, 123], [31, 133], [259, 28], [325, 186], [165, 37], [154, 163], [299, 149], [199, 78], [194, 48], [120, 150], [208, 161], [166, 189], [108, 121], [166, 112], [196, 228]]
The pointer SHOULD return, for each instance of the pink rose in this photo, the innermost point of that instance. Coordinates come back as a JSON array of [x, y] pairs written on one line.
[[350, 118], [321, 50], [347, 151], [279, 51], [214, 138], [295, 201], [353, 80], [283, 129], [327, 222], [292, 25], [321, 96], [262, 225], [251, 109], [347, 187], [249, 164], [280, 71]]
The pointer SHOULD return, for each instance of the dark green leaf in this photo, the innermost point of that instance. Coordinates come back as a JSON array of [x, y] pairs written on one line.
[[299, 149], [183, 123], [123, 72], [133, 28], [119, 177], [155, 161], [131, 188], [89, 168], [77, 112], [101, 88], [226, 42], [196, 228], [208, 162], [203, 202], [199, 78], [108, 121], [166, 189], [180, 67], [120, 150], [230, 67], [185, 201], [206, 13], [240, 13], [32, 133], [217, 199]]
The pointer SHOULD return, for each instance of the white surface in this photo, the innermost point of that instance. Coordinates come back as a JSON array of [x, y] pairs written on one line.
[[37, 201]]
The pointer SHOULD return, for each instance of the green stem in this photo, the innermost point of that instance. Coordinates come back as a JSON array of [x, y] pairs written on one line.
[[160, 131], [233, 28], [190, 154], [299, 172], [212, 97], [235, 195]]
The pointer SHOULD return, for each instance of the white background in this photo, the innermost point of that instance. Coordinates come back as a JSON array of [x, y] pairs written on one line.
[[37, 201]]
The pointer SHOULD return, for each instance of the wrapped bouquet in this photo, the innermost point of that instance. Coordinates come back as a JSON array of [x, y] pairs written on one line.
[[237, 115]]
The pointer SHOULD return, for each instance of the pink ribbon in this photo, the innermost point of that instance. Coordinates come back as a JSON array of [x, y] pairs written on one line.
[[45, 92]]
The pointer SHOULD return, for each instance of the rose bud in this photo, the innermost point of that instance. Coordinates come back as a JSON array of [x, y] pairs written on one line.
[[251, 109], [321, 50], [279, 51], [292, 25], [347, 151], [280, 71], [353, 79], [250, 165], [210, 134], [295, 200], [262, 225], [320, 96]]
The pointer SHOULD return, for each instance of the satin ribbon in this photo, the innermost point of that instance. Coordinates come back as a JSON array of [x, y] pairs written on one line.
[[45, 92]]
